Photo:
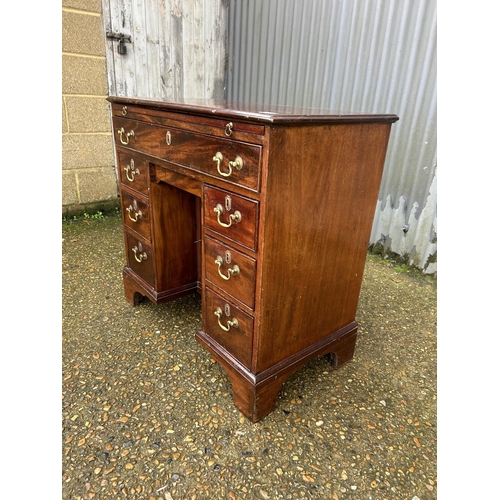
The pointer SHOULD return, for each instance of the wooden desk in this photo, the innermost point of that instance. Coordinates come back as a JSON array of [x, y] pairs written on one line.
[[266, 212]]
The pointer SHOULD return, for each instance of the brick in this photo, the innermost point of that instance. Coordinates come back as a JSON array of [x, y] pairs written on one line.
[[89, 5], [88, 114], [87, 151], [82, 34], [69, 189], [64, 120], [84, 75], [97, 184]]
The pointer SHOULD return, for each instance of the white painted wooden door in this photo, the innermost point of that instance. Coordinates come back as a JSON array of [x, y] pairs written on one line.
[[177, 49]]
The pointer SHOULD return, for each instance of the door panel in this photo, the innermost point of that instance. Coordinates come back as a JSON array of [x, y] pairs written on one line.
[[177, 49]]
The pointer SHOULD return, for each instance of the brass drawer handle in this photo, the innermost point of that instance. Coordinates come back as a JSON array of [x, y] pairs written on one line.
[[131, 168], [234, 271], [237, 163], [142, 255], [230, 322], [219, 210], [138, 213], [229, 129], [122, 132]]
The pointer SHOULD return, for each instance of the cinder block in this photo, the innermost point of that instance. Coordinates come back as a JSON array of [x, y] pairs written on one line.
[[82, 34], [87, 151], [64, 120], [69, 189], [97, 184], [88, 114], [89, 5], [84, 75]]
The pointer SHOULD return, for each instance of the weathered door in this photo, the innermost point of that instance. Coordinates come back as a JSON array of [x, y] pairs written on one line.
[[164, 49]]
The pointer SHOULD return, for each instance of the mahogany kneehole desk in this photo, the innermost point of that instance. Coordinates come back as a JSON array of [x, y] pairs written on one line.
[[266, 212]]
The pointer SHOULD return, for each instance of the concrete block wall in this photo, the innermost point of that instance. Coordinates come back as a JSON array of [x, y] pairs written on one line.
[[88, 172]]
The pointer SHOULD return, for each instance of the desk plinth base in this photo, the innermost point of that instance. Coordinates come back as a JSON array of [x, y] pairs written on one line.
[[255, 394], [135, 288]]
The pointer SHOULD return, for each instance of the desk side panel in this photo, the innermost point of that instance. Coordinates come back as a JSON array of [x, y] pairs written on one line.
[[320, 195]]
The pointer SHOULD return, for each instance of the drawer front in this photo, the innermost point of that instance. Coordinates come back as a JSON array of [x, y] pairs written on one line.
[[140, 257], [230, 327], [134, 173], [230, 270], [230, 215], [236, 162], [136, 214], [248, 132]]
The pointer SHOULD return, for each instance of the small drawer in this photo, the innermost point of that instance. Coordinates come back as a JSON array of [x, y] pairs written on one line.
[[233, 161], [133, 172], [135, 214], [140, 257], [244, 131], [230, 215], [229, 326], [230, 270]]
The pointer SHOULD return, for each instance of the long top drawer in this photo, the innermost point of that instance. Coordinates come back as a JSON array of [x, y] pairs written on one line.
[[234, 161]]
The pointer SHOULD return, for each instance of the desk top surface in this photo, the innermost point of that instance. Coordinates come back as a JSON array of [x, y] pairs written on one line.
[[256, 112]]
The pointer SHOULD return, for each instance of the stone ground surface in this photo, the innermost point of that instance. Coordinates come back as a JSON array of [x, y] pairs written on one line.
[[147, 413]]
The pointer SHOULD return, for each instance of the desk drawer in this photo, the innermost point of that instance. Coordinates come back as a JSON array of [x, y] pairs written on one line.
[[236, 162], [230, 270], [239, 130], [133, 172], [235, 338], [136, 214], [140, 257], [230, 215]]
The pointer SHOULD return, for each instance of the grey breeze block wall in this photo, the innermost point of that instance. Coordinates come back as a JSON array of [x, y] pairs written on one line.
[[88, 171]]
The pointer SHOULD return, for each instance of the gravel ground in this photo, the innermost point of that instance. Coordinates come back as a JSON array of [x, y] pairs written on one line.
[[148, 414]]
